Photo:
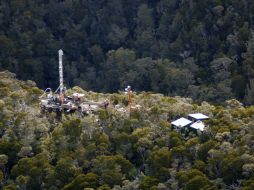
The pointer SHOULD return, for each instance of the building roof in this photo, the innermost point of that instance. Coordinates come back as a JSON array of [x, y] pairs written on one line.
[[198, 125], [198, 116], [181, 122]]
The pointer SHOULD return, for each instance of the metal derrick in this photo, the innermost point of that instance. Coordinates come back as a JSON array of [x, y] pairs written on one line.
[[59, 102]]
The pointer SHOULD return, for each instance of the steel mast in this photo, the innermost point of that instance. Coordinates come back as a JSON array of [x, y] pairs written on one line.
[[61, 87]]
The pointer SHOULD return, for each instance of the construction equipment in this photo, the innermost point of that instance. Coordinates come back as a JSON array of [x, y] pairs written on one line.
[[59, 103]]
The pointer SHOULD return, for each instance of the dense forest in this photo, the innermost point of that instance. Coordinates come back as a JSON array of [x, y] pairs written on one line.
[[114, 150], [179, 56], [203, 49]]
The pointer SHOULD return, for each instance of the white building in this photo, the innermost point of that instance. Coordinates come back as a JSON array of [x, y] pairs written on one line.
[[181, 122], [197, 116], [198, 125]]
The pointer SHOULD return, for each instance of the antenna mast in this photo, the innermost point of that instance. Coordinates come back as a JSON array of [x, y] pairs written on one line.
[[60, 53]]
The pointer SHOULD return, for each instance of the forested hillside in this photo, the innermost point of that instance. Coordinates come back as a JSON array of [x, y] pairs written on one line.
[[194, 48], [112, 150]]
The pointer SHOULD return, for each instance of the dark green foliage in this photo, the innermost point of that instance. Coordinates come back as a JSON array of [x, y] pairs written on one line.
[[200, 49], [10, 149], [37, 168], [78, 183], [193, 179], [65, 170], [159, 163], [148, 183], [112, 149], [204, 149], [112, 169], [232, 168], [248, 185]]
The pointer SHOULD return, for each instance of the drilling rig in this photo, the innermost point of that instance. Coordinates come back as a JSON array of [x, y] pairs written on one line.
[[59, 102]]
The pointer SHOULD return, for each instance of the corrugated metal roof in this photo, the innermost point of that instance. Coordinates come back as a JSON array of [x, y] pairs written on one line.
[[198, 116], [198, 125], [181, 122]]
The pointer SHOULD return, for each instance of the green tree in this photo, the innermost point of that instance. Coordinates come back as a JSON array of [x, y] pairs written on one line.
[[159, 163], [82, 181], [148, 183], [36, 169], [112, 169]]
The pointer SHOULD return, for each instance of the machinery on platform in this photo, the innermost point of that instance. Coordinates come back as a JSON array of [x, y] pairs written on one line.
[[59, 102]]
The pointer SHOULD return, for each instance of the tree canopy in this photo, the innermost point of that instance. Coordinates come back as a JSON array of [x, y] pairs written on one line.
[[112, 149], [199, 49]]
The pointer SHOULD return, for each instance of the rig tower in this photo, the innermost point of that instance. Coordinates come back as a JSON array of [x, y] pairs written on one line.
[[61, 87]]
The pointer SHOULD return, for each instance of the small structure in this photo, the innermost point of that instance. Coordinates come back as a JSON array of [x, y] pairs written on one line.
[[197, 117], [181, 122], [198, 125], [129, 92], [194, 122]]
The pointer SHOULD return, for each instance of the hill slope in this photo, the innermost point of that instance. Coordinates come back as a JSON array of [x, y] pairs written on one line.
[[112, 150]]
